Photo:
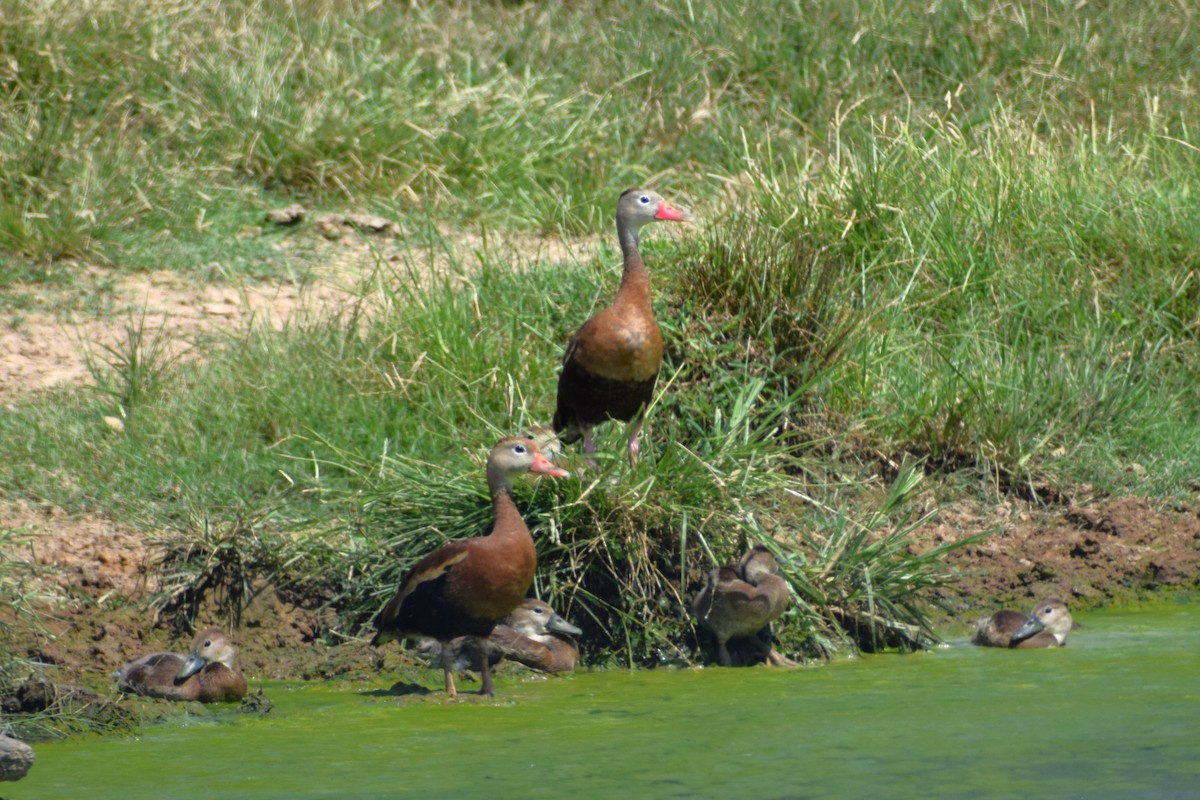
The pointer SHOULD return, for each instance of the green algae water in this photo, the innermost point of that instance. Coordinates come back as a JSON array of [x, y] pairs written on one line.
[[1116, 714]]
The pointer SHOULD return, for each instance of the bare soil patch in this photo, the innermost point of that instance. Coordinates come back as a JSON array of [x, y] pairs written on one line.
[[46, 349]]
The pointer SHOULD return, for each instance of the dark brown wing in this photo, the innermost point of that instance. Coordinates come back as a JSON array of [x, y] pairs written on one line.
[[997, 630], [426, 581]]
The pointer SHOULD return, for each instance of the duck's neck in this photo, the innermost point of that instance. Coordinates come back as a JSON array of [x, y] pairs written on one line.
[[635, 278], [508, 518]]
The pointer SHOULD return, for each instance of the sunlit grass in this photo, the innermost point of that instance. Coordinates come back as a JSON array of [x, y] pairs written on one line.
[[948, 238]]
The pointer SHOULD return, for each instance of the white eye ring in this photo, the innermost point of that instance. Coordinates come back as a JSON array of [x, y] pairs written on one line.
[[644, 199], [520, 449]]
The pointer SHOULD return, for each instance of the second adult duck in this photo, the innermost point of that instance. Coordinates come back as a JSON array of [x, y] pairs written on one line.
[[466, 586], [611, 364]]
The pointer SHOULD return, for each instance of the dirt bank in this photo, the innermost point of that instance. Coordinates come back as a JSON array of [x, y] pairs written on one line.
[[101, 576]]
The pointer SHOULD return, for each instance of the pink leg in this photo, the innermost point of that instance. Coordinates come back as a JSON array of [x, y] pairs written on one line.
[[485, 671], [635, 430], [589, 447], [448, 668]]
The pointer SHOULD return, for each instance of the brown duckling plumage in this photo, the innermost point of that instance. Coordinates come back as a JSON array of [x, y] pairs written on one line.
[[206, 673], [533, 634], [1046, 626], [738, 603]]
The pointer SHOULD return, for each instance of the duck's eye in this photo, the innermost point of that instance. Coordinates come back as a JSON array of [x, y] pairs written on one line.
[[644, 199], [520, 449], [208, 642], [539, 610]]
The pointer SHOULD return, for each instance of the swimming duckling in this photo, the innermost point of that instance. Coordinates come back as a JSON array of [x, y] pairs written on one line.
[[532, 634], [1046, 626], [738, 603], [205, 674]]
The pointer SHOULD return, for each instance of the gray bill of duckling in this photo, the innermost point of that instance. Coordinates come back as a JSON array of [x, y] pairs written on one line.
[[1046, 626]]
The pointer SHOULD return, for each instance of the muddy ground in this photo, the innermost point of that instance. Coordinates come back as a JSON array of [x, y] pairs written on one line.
[[97, 574]]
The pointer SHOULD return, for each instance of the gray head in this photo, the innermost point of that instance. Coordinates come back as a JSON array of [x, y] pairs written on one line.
[[211, 646], [534, 618], [514, 455], [1049, 615], [757, 564], [638, 207]]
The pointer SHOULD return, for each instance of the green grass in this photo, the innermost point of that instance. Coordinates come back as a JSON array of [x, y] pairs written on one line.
[[959, 236], [145, 135]]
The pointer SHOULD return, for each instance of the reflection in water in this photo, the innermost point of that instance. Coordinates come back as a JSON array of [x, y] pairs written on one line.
[[1116, 714]]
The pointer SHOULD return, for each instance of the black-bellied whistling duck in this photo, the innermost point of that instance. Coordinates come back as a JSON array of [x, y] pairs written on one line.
[[465, 587], [1046, 626], [206, 673], [532, 634], [612, 361], [738, 603]]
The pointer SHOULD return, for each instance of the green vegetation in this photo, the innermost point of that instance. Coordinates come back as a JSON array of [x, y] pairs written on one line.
[[956, 238]]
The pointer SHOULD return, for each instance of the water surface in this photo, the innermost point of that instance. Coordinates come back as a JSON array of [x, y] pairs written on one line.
[[1114, 715]]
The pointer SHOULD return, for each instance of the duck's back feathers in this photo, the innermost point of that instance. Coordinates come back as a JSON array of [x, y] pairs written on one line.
[[997, 630]]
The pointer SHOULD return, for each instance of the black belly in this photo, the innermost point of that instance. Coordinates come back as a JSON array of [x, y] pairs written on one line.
[[585, 399], [430, 611]]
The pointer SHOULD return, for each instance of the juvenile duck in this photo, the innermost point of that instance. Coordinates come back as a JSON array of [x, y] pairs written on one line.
[[533, 634], [536, 636], [1046, 626], [465, 587], [737, 603], [205, 674]]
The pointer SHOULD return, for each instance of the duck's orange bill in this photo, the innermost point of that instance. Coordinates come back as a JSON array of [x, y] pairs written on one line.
[[669, 212], [542, 466]]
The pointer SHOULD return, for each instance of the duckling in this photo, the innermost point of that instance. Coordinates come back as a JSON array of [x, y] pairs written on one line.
[[737, 603], [1046, 626], [527, 635], [205, 674]]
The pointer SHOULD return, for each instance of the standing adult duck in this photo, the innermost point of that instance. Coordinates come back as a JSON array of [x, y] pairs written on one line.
[[738, 603], [1046, 626], [465, 587], [612, 362], [205, 674]]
